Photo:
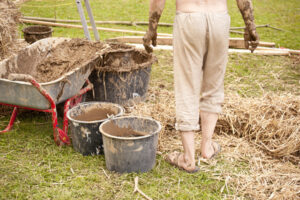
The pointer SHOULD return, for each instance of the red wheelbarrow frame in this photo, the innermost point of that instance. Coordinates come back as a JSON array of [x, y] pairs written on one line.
[[60, 136]]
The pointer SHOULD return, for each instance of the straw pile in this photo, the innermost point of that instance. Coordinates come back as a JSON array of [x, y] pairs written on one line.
[[253, 134], [9, 19], [271, 122]]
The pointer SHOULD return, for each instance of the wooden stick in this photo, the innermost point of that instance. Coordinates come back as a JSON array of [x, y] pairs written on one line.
[[97, 22], [233, 42], [274, 52], [237, 32], [80, 27], [130, 23], [294, 52], [259, 26], [136, 189]]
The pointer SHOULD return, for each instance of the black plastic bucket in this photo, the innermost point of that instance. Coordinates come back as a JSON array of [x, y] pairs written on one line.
[[135, 153], [123, 77], [35, 33], [85, 120]]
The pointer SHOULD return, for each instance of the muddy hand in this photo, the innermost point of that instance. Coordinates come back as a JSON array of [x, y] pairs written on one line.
[[149, 37], [251, 39]]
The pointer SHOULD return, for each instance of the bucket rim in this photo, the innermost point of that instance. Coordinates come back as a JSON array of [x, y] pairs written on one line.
[[130, 138], [25, 30], [95, 121]]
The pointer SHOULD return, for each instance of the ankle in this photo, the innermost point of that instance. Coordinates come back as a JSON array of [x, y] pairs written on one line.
[[207, 150], [206, 138]]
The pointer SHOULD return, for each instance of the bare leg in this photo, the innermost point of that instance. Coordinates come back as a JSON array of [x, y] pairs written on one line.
[[208, 124], [188, 142]]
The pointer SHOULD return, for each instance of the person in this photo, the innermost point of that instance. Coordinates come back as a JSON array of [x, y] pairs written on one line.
[[200, 43]]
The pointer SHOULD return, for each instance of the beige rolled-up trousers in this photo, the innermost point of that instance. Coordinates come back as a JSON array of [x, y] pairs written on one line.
[[200, 45]]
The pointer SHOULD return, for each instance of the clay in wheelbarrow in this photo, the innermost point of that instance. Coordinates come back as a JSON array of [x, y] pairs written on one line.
[[60, 65]]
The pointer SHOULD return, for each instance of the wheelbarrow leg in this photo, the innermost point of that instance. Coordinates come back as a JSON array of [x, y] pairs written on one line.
[[73, 102], [11, 121], [59, 136]]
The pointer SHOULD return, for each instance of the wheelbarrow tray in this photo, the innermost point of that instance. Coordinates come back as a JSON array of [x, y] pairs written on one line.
[[24, 94]]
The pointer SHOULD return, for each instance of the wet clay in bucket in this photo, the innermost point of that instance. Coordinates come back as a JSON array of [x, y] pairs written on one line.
[[85, 120], [115, 130], [95, 113]]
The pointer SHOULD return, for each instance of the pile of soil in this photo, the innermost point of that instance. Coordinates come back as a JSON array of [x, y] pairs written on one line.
[[113, 129], [74, 53], [95, 114], [65, 57], [9, 19], [126, 60]]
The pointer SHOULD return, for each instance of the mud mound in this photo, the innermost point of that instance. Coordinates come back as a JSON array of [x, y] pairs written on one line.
[[70, 54], [65, 57], [9, 19], [126, 60]]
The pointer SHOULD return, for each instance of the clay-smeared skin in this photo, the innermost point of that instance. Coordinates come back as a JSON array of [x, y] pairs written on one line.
[[251, 37], [151, 34]]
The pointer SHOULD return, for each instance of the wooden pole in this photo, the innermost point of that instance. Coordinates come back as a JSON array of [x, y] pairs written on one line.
[[130, 23], [233, 42], [80, 27], [97, 22]]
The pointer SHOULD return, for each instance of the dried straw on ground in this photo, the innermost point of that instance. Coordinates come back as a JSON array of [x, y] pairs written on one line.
[[271, 122], [245, 164], [9, 19]]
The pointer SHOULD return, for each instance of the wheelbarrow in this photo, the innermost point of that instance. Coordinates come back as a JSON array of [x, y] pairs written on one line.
[[23, 91]]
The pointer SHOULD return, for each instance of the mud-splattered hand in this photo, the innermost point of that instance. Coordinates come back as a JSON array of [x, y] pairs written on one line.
[[151, 34], [251, 38], [149, 37]]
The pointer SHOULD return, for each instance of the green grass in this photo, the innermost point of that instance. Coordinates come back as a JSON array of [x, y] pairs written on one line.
[[33, 167], [282, 14], [247, 74]]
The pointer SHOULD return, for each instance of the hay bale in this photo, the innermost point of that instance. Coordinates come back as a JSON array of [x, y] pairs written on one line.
[[271, 122], [9, 19]]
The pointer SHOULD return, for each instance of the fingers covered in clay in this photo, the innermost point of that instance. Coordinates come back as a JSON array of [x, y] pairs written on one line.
[[146, 42], [251, 37], [151, 34]]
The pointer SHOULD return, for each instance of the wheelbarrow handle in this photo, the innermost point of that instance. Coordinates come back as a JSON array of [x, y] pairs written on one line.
[[34, 83], [20, 77]]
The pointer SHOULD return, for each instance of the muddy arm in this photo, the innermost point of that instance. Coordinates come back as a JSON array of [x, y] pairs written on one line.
[[251, 37], [156, 9]]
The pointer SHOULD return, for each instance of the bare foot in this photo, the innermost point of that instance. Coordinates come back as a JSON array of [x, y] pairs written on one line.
[[212, 150], [177, 159]]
